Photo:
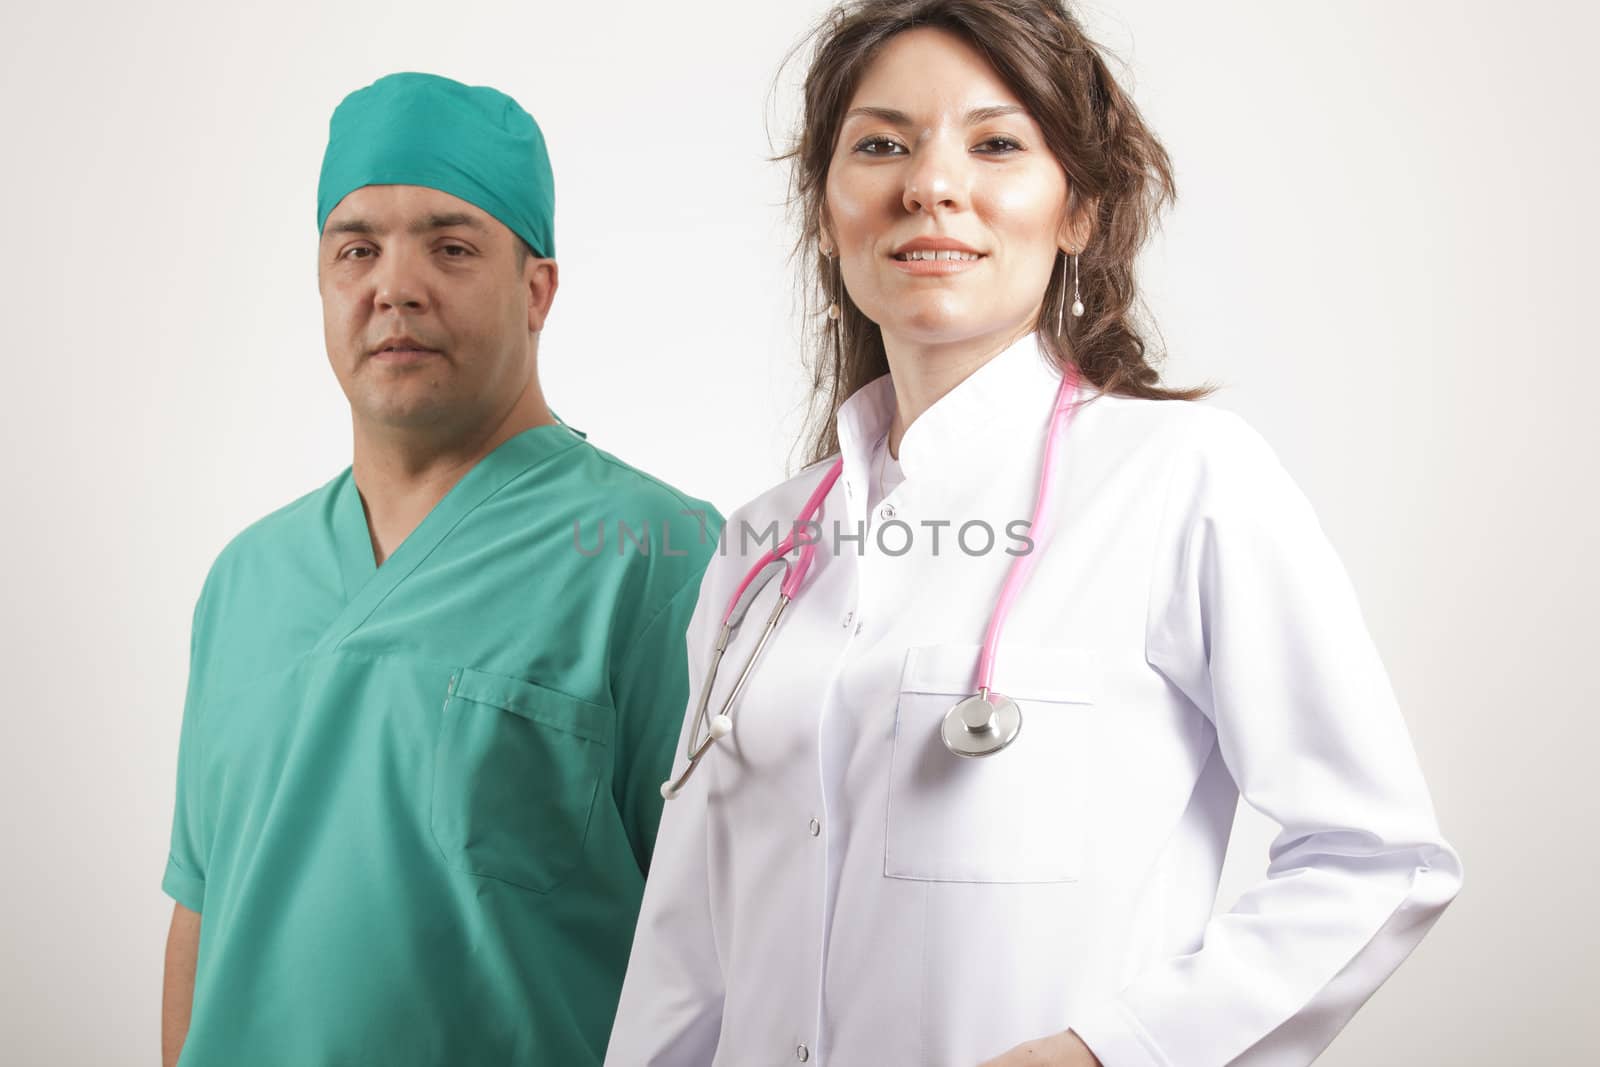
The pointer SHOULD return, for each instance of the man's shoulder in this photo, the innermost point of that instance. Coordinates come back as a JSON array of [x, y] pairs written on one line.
[[661, 537], [634, 495], [278, 534]]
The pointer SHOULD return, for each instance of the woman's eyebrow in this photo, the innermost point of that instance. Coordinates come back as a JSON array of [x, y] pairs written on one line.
[[900, 118], [984, 114], [884, 114]]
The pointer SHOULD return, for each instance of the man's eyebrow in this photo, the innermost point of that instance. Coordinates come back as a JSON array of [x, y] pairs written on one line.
[[432, 222], [900, 118]]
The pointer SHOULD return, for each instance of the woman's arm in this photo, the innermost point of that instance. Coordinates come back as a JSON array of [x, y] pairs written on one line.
[[1254, 618]]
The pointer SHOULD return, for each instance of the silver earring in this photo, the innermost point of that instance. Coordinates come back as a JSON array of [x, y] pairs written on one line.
[[833, 306], [1077, 299]]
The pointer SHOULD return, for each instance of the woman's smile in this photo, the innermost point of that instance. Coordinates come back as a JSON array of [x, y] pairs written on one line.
[[943, 198], [935, 257]]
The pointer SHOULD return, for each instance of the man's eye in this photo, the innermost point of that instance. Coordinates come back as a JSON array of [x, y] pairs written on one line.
[[457, 248], [878, 146], [351, 254]]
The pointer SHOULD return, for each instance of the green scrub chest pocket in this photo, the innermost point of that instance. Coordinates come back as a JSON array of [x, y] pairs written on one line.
[[516, 771]]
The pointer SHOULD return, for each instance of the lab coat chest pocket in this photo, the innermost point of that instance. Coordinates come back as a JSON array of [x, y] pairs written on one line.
[[1013, 816], [517, 767]]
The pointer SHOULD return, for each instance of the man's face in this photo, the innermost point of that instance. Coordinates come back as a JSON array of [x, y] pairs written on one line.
[[431, 270]]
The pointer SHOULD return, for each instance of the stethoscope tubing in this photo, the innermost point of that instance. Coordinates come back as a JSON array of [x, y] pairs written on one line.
[[1016, 577], [1039, 529]]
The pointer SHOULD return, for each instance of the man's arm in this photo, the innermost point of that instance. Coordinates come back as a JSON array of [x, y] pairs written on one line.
[[649, 692], [670, 1010], [177, 991], [650, 682]]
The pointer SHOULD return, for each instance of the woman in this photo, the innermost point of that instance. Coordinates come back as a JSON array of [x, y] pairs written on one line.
[[885, 862]]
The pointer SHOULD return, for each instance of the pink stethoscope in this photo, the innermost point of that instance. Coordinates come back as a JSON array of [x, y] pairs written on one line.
[[980, 725]]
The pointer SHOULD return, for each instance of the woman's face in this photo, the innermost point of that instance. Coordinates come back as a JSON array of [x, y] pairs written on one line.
[[937, 157]]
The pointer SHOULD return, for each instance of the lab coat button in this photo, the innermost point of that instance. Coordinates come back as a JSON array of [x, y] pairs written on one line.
[[816, 828], [886, 512], [802, 1053]]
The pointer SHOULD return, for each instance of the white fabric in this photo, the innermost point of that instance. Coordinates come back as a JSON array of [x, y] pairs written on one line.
[[886, 474], [1188, 634]]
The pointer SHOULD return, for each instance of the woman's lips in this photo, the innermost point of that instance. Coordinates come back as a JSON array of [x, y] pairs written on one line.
[[935, 267]]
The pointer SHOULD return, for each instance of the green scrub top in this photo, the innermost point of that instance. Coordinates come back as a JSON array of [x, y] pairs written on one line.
[[416, 802]]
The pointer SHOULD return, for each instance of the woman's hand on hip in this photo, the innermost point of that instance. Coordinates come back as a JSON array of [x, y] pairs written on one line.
[[1058, 1050]]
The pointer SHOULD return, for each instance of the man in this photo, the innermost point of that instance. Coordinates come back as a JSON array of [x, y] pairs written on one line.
[[426, 721]]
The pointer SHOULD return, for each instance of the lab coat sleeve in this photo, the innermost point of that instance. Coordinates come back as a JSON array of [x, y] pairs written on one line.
[[1252, 615], [670, 1012]]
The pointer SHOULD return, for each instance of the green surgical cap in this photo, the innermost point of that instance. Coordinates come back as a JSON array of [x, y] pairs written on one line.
[[470, 141]]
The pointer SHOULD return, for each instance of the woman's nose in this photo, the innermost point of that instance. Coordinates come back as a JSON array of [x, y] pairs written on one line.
[[937, 178]]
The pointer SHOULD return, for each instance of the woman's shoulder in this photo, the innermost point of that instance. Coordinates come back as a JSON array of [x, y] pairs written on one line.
[[782, 502], [1201, 458], [1197, 430]]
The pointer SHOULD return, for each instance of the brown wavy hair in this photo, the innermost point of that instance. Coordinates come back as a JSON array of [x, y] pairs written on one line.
[[1116, 171]]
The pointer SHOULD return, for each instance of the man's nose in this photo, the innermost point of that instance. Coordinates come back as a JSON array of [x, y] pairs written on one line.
[[398, 281]]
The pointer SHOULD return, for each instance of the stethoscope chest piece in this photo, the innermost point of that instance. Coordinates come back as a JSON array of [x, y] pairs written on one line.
[[981, 725]]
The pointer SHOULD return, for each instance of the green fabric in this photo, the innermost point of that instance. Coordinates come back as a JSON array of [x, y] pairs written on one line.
[[470, 141], [416, 802]]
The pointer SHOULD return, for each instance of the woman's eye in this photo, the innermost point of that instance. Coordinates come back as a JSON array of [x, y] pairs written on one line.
[[999, 145], [878, 146]]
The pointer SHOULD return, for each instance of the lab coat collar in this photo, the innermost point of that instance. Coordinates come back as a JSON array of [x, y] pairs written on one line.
[[1002, 406]]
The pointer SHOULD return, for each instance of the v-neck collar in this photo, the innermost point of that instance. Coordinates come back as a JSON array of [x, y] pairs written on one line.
[[365, 582]]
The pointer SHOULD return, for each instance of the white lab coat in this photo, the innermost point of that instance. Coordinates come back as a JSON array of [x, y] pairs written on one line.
[[833, 887]]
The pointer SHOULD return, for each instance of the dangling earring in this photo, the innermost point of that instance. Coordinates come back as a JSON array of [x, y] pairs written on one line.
[[833, 307], [1077, 297], [835, 313], [1061, 308]]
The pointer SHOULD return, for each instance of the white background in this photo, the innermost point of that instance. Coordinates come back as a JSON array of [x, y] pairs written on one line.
[[1384, 245]]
